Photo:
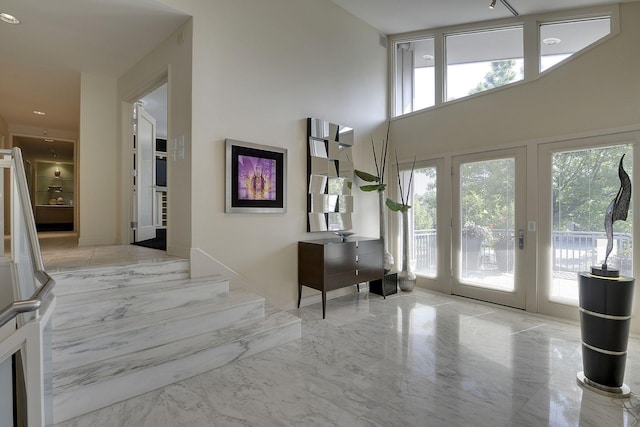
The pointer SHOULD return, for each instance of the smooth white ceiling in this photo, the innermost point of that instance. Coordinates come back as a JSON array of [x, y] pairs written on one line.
[[400, 16], [42, 58]]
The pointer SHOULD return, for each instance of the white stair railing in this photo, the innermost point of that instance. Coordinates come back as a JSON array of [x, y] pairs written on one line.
[[25, 322]]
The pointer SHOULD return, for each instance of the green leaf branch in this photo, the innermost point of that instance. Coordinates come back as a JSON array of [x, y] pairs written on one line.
[[403, 206], [380, 167]]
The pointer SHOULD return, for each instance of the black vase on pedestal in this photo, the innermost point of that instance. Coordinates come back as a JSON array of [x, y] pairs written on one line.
[[606, 300], [605, 315]]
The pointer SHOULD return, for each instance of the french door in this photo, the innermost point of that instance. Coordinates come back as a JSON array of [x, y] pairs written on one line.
[[577, 180], [489, 226], [144, 190]]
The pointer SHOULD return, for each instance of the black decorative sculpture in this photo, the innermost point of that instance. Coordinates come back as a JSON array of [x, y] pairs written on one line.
[[617, 210], [606, 301]]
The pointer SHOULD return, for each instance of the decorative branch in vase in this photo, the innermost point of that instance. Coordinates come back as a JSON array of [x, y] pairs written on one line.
[[380, 187], [406, 277]]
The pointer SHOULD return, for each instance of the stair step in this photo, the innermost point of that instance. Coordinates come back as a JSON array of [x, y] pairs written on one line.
[[88, 280], [86, 388], [113, 303], [89, 343]]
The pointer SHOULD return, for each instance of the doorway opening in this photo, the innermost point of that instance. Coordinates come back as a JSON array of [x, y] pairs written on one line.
[[149, 177], [50, 170]]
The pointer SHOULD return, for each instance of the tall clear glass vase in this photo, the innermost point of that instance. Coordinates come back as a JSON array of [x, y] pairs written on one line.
[[388, 258], [406, 277]]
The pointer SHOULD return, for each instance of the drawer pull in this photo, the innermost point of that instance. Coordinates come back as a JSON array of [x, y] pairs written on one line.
[[356, 258]]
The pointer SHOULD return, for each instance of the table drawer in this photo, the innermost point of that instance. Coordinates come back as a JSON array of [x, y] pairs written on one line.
[[340, 280], [368, 274], [370, 247], [346, 250], [371, 260]]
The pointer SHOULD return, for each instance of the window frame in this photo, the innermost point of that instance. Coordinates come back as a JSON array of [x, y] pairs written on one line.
[[531, 34]]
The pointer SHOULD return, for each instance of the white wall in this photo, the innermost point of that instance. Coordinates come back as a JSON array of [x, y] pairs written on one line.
[[259, 70], [595, 93], [4, 133], [5, 143], [97, 160]]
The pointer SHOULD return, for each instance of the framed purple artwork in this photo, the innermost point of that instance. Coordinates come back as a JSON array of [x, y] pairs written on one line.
[[255, 178]]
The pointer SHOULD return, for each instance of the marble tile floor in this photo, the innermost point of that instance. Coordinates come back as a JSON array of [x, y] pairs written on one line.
[[414, 359], [60, 251]]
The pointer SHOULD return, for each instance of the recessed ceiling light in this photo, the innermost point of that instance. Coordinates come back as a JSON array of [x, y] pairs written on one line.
[[550, 41], [9, 19], [427, 57], [39, 113]]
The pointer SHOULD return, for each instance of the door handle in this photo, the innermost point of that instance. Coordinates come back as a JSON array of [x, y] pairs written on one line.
[[521, 239]]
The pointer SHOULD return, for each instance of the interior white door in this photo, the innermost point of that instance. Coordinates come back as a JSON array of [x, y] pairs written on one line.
[[489, 226], [145, 227]]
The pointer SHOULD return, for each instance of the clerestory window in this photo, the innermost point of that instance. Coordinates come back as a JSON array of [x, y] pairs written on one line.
[[560, 40], [415, 75], [483, 60], [440, 66]]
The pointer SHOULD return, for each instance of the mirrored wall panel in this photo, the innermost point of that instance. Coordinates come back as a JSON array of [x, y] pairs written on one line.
[[330, 176]]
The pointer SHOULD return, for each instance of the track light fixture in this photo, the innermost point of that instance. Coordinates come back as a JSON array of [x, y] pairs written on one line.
[[506, 4]]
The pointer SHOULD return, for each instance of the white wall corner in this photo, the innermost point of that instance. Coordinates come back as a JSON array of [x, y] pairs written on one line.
[[179, 251], [203, 265]]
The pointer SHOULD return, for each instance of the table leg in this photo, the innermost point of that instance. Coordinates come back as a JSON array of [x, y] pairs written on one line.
[[324, 303], [384, 290], [299, 293]]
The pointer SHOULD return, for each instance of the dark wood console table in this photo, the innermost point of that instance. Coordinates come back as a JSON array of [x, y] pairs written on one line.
[[329, 264]]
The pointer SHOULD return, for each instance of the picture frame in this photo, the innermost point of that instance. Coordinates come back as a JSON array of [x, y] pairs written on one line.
[[256, 178]]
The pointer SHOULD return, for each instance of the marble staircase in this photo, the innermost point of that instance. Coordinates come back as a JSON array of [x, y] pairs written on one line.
[[122, 331]]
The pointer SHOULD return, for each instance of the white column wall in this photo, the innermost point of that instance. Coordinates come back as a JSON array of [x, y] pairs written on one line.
[[96, 166]]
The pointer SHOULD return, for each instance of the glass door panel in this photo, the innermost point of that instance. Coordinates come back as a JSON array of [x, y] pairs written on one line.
[[583, 184], [489, 226], [488, 223], [423, 224]]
